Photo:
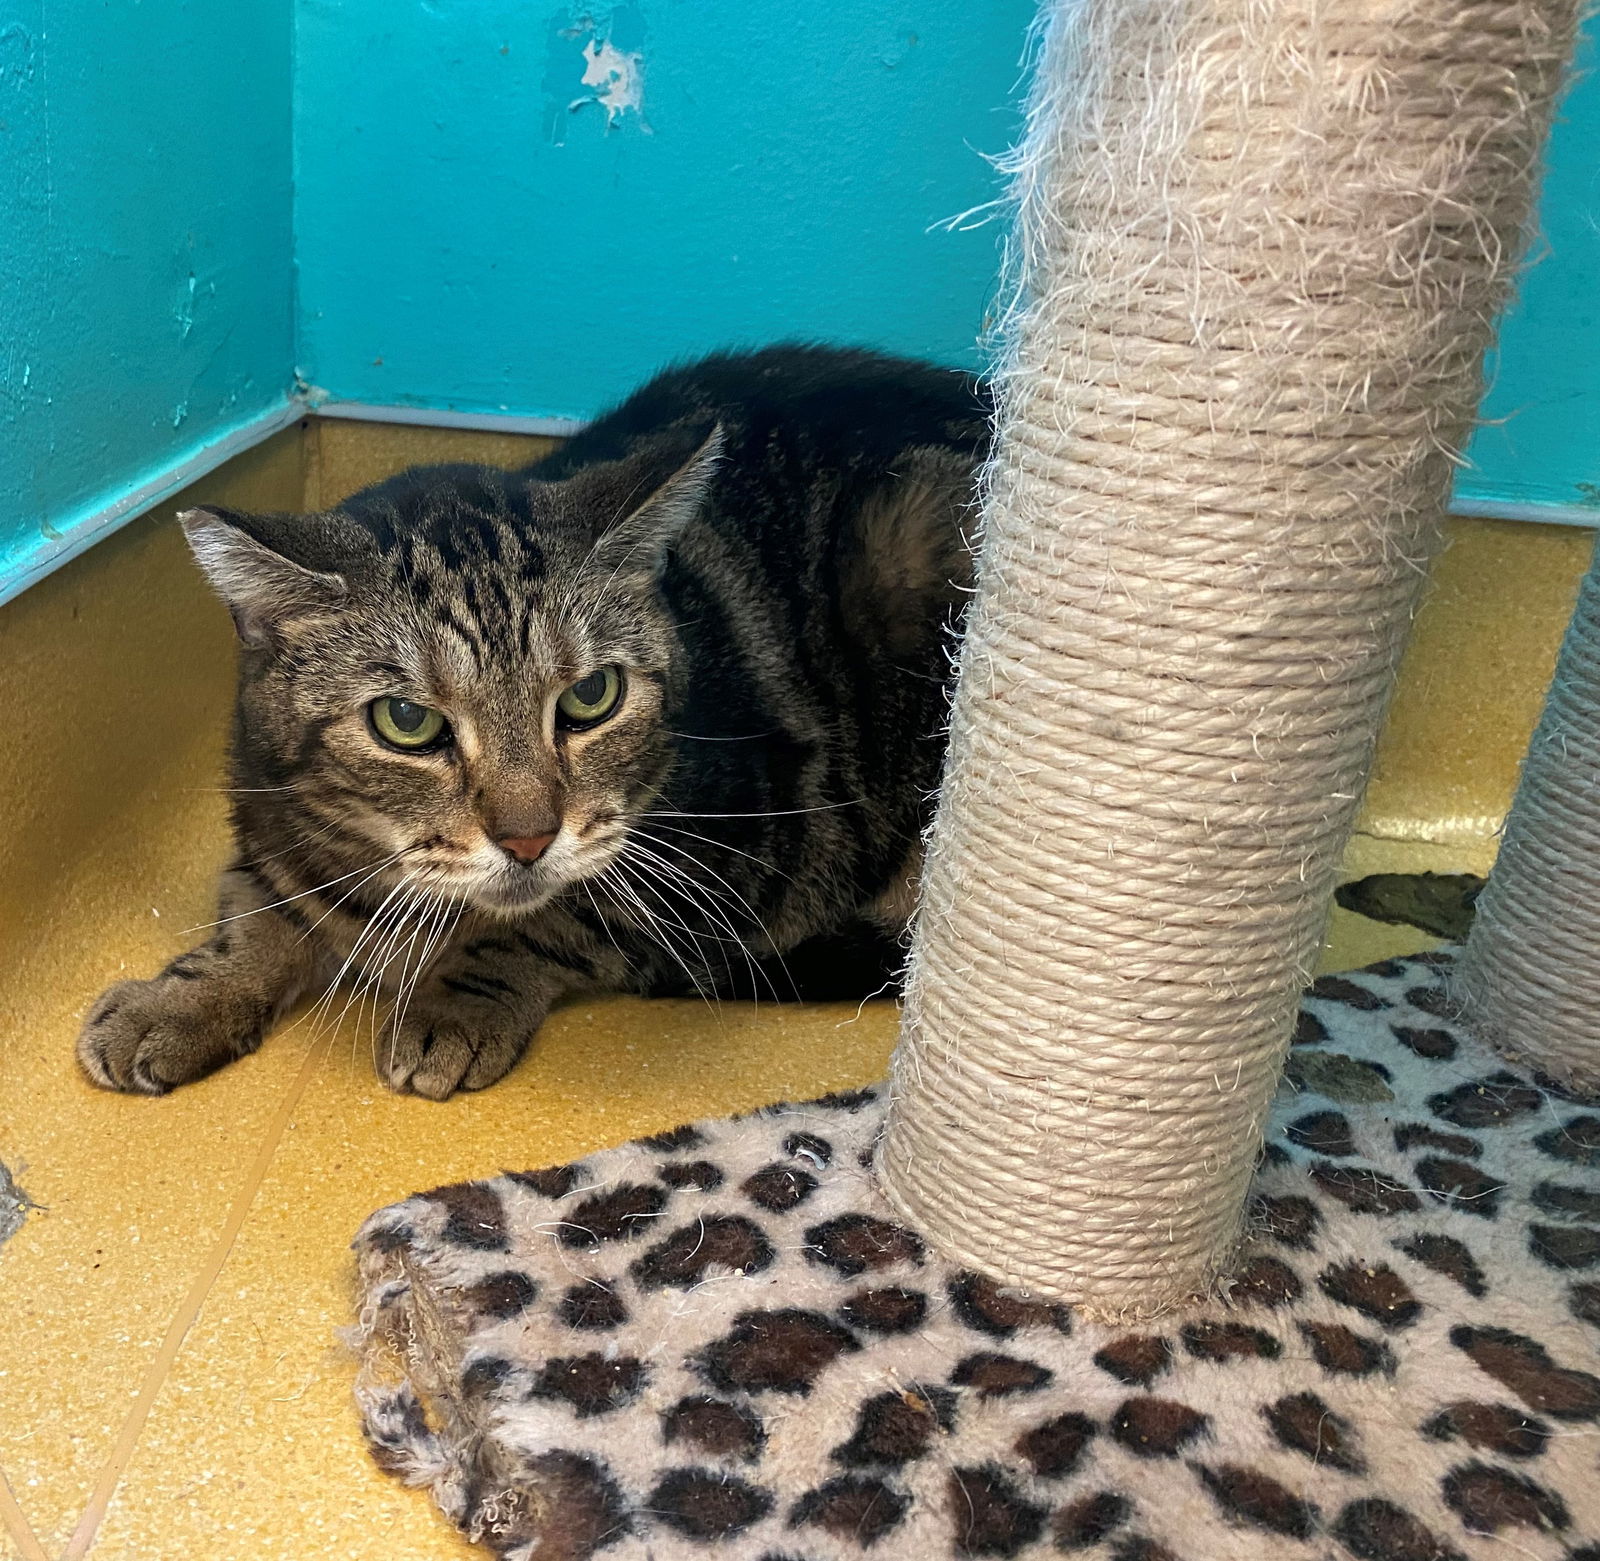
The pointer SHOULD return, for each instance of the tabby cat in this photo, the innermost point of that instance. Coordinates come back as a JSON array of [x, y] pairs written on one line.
[[662, 713]]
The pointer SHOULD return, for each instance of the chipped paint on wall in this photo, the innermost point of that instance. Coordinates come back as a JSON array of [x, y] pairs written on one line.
[[617, 80], [594, 58]]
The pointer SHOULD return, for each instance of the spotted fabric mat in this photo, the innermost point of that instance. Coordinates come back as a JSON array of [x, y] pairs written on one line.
[[718, 1342]]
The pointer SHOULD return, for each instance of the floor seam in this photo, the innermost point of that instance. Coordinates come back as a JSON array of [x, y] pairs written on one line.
[[14, 1521], [155, 1376]]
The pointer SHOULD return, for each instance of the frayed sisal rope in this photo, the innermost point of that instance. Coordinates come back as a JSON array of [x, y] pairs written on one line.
[[1259, 245], [1529, 979]]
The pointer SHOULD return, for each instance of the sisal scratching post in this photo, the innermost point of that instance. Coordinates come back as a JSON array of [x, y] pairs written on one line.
[[1259, 251], [1529, 977]]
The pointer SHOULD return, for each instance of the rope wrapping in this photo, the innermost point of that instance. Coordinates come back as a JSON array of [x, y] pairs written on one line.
[[1527, 979], [1258, 248]]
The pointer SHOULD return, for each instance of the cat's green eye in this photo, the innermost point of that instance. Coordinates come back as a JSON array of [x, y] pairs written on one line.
[[591, 699], [401, 723]]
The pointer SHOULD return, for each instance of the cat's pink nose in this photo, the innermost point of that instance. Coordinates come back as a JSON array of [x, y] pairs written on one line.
[[526, 848]]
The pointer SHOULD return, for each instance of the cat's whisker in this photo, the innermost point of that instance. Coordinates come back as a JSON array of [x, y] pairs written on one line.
[[637, 853], [429, 911], [325, 1002], [583, 883], [306, 842], [724, 887], [720, 844], [668, 845], [355, 888], [428, 918], [441, 924], [441, 931], [289, 899], [698, 737], [748, 909], [703, 897], [758, 973], [659, 877], [821, 807], [240, 791], [669, 877], [402, 938], [652, 878], [356, 990], [373, 931], [722, 945], [634, 909], [626, 894], [602, 881], [375, 961], [370, 987]]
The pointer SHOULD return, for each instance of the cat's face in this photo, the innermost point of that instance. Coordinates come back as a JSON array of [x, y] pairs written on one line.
[[457, 683]]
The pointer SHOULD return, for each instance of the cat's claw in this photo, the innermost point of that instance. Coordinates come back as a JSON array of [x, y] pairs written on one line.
[[434, 1056], [148, 1037]]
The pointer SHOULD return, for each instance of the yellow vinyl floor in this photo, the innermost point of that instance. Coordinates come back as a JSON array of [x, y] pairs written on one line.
[[171, 1380]]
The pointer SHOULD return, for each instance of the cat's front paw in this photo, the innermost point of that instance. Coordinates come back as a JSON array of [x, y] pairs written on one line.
[[435, 1055], [148, 1037]]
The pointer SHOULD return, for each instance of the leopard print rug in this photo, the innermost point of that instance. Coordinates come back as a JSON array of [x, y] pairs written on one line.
[[717, 1342]]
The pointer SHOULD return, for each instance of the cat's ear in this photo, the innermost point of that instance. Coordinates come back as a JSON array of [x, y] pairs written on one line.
[[245, 559], [639, 542]]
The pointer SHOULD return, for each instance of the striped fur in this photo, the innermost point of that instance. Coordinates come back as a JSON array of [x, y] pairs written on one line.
[[770, 546]]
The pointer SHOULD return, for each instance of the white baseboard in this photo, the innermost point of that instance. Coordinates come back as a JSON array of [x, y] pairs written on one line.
[[427, 417], [1543, 514]]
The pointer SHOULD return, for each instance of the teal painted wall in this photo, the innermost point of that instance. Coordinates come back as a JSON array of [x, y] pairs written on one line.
[[146, 247], [478, 230], [1540, 443], [490, 207]]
